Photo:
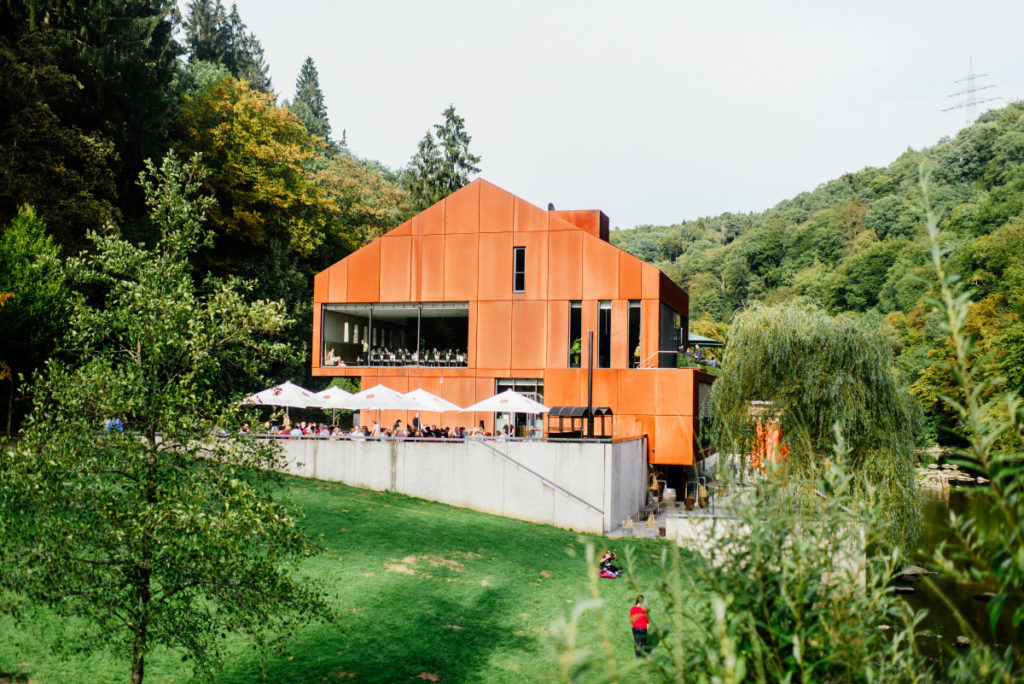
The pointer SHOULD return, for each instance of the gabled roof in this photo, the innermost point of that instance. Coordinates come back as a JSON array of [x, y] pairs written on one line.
[[498, 208], [481, 208]]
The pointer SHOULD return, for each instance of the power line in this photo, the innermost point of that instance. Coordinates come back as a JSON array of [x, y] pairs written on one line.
[[968, 92]]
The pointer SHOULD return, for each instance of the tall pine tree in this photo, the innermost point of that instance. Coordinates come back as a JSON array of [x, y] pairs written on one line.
[[86, 99], [458, 162], [422, 170], [441, 166], [309, 104], [214, 35], [245, 54], [204, 34]]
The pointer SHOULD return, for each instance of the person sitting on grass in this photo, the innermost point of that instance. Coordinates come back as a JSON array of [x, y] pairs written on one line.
[[606, 563]]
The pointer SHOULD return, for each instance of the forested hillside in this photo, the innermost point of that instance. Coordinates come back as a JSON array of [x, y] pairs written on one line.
[[854, 245], [92, 90]]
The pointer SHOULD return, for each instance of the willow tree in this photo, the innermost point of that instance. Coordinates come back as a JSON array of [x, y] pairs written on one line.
[[812, 374]]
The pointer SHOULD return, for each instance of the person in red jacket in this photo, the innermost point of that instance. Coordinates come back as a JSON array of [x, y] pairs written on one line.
[[638, 618]]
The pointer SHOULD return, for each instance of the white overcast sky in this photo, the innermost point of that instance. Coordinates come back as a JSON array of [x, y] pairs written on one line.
[[652, 111]]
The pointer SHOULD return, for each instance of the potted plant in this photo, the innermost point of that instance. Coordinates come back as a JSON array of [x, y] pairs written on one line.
[[702, 496], [575, 353]]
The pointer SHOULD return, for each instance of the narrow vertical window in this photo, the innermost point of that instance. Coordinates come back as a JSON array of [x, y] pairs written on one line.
[[633, 350], [518, 269], [575, 333], [604, 334], [345, 338]]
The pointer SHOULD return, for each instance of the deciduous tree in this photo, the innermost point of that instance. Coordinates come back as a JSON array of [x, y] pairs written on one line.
[[257, 154], [33, 322], [168, 534]]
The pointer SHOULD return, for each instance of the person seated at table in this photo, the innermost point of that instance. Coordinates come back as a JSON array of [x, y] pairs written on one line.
[[332, 358]]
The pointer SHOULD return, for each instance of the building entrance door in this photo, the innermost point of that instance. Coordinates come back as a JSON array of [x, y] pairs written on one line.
[[521, 425]]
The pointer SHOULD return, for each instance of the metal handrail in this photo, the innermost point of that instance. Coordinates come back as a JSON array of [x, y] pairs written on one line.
[[543, 479], [646, 363]]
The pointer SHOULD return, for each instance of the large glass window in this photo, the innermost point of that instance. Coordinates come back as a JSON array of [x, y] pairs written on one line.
[[396, 334], [520, 424], [669, 337], [575, 334], [604, 334], [518, 269], [633, 348]]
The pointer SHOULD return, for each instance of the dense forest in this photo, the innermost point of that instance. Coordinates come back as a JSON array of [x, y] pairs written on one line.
[[92, 90], [854, 245]]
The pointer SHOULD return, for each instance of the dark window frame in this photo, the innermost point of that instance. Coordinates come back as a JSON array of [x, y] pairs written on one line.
[[604, 333], [519, 269], [634, 341], [575, 310]]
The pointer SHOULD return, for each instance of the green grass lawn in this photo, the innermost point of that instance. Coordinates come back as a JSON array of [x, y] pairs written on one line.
[[427, 592]]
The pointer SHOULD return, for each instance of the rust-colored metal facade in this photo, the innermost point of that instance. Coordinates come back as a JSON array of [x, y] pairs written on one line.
[[461, 250]]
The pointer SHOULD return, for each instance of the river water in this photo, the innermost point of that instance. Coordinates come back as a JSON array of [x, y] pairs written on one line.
[[940, 621]]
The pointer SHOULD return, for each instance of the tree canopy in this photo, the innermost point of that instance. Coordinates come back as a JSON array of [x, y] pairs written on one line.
[[257, 154], [86, 100]]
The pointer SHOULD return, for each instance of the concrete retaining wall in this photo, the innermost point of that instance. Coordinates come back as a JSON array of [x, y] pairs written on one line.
[[585, 486]]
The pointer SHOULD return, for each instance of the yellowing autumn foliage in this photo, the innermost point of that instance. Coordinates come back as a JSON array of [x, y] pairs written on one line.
[[258, 156]]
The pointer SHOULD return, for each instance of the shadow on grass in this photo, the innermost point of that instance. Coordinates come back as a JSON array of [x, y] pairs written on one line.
[[413, 633], [427, 592]]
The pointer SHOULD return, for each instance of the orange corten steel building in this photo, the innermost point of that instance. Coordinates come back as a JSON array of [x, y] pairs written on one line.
[[484, 291]]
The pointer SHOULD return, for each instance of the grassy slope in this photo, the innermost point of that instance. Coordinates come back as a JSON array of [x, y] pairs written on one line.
[[421, 587]]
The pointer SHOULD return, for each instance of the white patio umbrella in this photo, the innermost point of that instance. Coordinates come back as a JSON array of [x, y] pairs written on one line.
[[333, 398], [381, 397], [508, 402], [287, 394], [431, 402]]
